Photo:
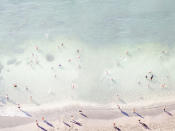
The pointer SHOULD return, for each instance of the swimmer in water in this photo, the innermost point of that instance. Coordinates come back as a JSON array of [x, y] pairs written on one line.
[[69, 60], [163, 85], [27, 89], [139, 83], [151, 77], [7, 97], [15, 85], [146, 76], [73, 85], [78, 50], [31, 98], [36, 48]]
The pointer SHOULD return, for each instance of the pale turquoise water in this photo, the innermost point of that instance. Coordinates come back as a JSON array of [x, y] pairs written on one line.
[[103, 31], [92, 21]]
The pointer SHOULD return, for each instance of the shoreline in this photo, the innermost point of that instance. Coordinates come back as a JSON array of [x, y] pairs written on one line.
[[103, 116]]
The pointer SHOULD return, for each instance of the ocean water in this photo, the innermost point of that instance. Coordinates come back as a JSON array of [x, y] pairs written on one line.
[[94, 52]]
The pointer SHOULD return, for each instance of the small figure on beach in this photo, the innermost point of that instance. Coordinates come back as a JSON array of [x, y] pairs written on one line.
[[37, 123], [66, 124], [115, 127], [123, 112], [164, 109], [168, 113], [81, 113], [77, 123], [40, 126], [48, 123], [118, 107], [134, 112], [144, 125]]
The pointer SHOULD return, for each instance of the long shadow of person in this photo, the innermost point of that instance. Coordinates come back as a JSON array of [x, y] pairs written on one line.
[[123, 112], [40, 126], [168, 113], [144, 125], [26, 113], [137, 114]]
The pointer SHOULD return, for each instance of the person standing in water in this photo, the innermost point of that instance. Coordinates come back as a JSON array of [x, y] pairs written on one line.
[[19, 107], [152, 77], [7, 97]]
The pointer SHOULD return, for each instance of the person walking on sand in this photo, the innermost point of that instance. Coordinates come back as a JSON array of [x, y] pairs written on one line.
[[119, 107], [115, 127], [164, 109], [123, 112], [40, 126], [144, 125], [81, 113], [48, 123], [134, 112]]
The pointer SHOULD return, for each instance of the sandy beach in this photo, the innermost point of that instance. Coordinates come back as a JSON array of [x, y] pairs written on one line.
[[99, 119]]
